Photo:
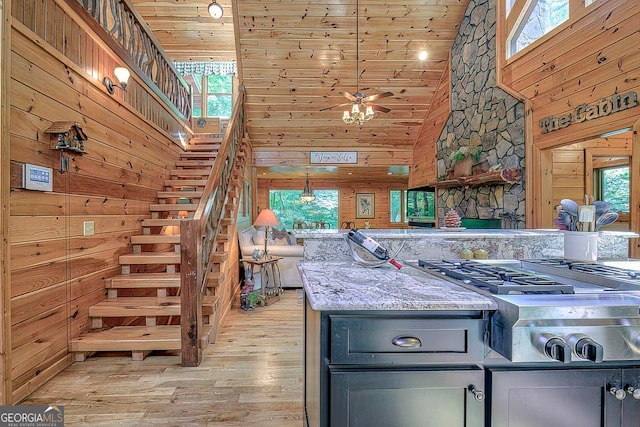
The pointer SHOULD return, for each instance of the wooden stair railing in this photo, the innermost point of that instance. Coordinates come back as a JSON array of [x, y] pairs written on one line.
[[201, 245]]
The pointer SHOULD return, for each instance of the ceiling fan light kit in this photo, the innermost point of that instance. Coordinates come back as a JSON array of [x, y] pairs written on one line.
[[358, 99]]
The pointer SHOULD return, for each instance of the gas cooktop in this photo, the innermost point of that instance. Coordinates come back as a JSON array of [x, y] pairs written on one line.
[[497, 279]]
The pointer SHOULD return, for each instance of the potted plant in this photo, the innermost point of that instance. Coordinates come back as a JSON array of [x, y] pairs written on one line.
[[253, 298], [463, 159]]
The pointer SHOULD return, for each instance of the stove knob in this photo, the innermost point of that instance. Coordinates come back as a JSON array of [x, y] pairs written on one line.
[[586, 348], [554, 347], [634, 392], [618, 393]]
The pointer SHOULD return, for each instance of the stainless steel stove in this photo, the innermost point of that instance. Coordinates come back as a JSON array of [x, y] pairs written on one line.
[[551, 310]]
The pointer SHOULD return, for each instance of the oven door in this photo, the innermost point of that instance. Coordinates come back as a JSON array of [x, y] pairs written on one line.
[[556, 398]]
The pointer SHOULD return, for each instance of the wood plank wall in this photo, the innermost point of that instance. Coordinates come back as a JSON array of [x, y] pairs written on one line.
[[572, 167], [56, 272], [584, 60], [347, 195], [424, 169]]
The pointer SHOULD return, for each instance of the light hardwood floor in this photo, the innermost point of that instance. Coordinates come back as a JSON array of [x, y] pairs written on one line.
[[251, 376]]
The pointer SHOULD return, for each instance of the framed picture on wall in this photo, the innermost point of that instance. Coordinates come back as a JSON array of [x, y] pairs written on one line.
[[365, 205]]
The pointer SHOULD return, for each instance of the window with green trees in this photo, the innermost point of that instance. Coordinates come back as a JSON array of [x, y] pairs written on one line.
[[614, 187], [410, 204], [212, 95], [289, 209]]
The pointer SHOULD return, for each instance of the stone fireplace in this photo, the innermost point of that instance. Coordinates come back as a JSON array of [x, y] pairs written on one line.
[[481, 115]]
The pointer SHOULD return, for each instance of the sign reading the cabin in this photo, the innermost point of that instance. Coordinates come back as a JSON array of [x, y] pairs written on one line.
[[327, 157], [584, 112]]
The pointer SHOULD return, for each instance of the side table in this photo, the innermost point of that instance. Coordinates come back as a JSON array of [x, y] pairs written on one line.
[[269, 273]]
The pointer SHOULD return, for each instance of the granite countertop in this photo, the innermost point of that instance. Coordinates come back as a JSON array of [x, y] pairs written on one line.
[[349, 286], [434, 232]]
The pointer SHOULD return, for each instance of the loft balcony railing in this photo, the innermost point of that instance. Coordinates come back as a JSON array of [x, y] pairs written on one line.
[[127, 28]]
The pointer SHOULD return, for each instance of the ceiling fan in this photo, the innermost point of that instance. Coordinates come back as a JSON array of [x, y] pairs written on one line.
[[359, 99]]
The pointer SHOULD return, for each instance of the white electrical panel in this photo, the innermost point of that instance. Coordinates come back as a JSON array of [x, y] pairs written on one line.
[[37, 178]]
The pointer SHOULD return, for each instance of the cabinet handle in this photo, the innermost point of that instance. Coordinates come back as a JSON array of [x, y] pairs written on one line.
[[406, 342], [477, 394], [618, 393], [634, 392]]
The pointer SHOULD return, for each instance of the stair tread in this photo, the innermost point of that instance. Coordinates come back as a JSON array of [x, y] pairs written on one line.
[[125, 338], [185, 182], [198, 155], [190, 172], [165, 222], [150, 258], [146, 239], [195, 163], [178, 194], [202, 147], [145, 280], [173, 207], [144, 306]]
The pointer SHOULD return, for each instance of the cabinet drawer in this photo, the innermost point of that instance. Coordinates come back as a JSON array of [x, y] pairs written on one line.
[[376, 340]]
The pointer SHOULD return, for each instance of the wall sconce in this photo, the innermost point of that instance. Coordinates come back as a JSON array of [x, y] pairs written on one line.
[[122, 74], [215, 10]]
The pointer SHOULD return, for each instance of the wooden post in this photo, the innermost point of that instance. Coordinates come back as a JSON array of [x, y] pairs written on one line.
[[5, 212], [190, 294]]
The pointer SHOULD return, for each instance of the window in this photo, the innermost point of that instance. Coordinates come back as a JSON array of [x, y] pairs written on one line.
[[613, 187], [396, 211], [212, 95], [538, 18], [289, 209]]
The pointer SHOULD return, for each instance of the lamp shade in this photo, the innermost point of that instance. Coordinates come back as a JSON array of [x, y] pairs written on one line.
[[266, 218], [122, 74]]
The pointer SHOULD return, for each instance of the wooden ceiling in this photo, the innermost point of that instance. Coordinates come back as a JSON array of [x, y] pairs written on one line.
[[296, 56]]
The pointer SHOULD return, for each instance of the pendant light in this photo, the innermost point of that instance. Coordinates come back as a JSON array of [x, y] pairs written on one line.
[[307, 195]]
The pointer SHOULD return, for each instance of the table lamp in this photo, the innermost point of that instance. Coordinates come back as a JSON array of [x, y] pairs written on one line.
[[266, 219]]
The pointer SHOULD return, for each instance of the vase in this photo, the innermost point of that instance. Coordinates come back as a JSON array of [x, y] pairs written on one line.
[[463, 167]]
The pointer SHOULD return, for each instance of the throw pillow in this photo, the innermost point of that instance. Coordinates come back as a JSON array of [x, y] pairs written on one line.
[[258, 238], [281, 235], [278, 242]]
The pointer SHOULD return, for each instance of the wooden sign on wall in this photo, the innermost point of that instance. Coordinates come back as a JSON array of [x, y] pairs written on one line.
[[584, 112], [328, 157]]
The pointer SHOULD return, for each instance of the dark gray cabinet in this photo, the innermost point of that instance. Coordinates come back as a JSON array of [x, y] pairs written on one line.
[[394, 369], [367, 398], [558, 398]]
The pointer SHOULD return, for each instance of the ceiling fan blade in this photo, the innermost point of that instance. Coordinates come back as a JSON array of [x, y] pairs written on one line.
[[378, 108], [349, 96], [377, 96], [336, 106]]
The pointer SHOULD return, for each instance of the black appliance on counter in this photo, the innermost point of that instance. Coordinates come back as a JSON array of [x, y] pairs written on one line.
[[565, 340]]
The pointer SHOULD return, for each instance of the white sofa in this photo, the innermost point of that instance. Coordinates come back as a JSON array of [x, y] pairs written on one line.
[[291, 253]]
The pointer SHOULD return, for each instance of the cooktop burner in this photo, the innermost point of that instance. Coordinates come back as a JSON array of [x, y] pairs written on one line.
[[498, 279], [588, 267]]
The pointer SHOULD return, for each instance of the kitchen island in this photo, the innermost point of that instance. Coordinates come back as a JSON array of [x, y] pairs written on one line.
[[330, 245], [403, 348], [390, 347]]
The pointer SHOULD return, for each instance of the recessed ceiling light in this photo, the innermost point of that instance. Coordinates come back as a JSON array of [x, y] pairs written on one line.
[[422, 55], [215, 10], [389, 173]]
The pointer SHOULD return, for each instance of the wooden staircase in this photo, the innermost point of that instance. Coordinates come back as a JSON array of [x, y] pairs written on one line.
[[142, 310]]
